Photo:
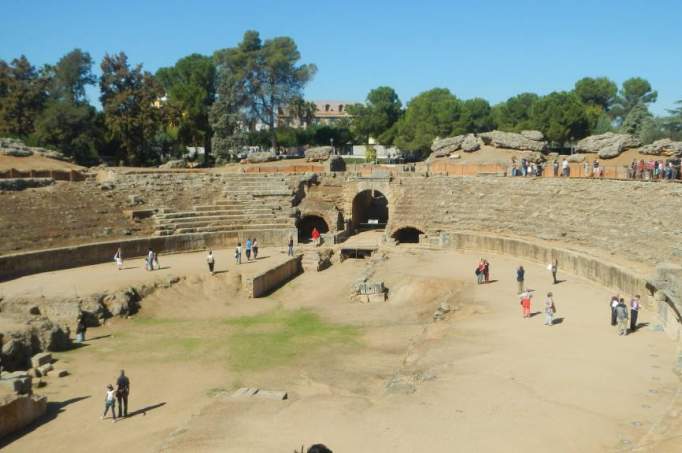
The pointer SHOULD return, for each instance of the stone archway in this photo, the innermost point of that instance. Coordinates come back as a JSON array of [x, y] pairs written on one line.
[[407, 235], [306, 224], [370, 210]]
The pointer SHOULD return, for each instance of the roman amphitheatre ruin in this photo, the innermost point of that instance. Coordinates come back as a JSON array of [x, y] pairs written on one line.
[[378, 339]]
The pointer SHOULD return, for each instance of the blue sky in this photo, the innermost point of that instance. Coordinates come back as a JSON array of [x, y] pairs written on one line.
[[491, 49]]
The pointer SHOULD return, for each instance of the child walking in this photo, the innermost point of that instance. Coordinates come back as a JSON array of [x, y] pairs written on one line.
[[110, 402]]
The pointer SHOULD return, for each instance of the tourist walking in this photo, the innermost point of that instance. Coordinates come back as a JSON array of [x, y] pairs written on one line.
[[486, 271], [238, 253], [155, 261], [149, 261], [520, 278], [254, 246], [122, 392], [479, 272], [80, 328], [248, 249], [118, 259], [211, 262], [634, 312], [110, 402], [290, 246], [550, 309], [622, 317], [613, 304], [525, 303], [553, 267]]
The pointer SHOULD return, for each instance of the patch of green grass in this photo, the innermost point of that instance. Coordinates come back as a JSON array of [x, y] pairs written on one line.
[[278, 337]]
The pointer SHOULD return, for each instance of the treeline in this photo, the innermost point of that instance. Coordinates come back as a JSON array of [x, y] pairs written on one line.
[[236, 97], [594, 106]]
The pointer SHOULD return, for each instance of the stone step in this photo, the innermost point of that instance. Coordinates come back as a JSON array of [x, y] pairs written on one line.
[[255, 231], [217, 212], [217, 229], [208, 222]]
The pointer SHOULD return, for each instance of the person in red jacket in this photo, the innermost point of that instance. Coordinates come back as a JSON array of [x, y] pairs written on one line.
[[316, 236]]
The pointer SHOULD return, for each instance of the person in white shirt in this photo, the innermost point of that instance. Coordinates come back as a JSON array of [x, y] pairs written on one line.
[[110, 402], [211, 261], [238, 253], [564, 168], [613, 303]]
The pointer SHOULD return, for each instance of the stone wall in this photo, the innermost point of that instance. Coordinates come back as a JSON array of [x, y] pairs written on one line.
[[18, 264], [17, 412], [263, 283]]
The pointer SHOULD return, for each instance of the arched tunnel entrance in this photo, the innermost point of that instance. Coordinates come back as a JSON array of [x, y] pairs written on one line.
[[306, 225], [407, 235], [370, 210]]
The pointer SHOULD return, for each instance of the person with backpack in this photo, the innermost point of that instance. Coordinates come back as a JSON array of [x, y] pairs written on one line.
[[622, 317], [520, 278]]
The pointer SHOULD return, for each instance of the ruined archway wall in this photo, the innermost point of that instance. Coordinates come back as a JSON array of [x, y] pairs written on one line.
[[624, 220]]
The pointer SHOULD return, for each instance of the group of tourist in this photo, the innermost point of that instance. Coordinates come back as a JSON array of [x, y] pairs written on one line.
[[482, 272], [653, 169], [151, 261], [250, 248], [119, 395], [526, 168], [620, 315]]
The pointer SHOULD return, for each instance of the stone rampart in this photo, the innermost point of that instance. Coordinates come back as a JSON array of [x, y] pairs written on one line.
[[17, 412], [263, 283], [18, 264]]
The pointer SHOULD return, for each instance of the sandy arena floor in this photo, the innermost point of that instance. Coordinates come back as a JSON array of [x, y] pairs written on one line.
[[484, 380]]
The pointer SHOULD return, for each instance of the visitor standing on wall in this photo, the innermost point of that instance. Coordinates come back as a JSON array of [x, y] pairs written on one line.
[[290, 246], [122, 392], [613, 304], [110, 402], [622, 317], [255, 249], [565, 169], [520, 278], [248, 249], [118, 259], [238, 253], [634, 312], [211, 261], [550, 309]]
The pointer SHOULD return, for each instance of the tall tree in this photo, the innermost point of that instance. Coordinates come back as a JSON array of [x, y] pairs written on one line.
[[303, 111], [638, 116], [634, 91], [132, 107], [673, 123], [599, 91], [190, 92], [260, 78], [561, 117], [373, 119], [476, 117], [429, 115], [71, 75], [23, 92], [68, 122], [514, 114]]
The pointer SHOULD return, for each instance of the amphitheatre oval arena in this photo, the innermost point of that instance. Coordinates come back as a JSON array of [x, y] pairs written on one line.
[[394, 227], [374, 337]]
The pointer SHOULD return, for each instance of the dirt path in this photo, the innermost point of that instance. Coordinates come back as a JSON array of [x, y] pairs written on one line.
[[485, 380]]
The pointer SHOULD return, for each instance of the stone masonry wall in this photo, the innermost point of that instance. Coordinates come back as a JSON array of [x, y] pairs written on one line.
[[637, 222]]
